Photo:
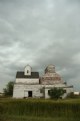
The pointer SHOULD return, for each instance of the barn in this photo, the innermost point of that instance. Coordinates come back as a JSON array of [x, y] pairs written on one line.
[[29, 84]]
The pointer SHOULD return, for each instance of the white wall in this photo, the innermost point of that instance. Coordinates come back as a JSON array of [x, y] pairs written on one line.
[[19, 90], [68, 89], [27, 81]]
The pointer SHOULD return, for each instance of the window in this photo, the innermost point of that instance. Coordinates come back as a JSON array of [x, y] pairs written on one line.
[[27, 71], [49, 92]]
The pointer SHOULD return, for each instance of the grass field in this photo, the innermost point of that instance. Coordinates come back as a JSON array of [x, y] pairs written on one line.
[[39, 110]]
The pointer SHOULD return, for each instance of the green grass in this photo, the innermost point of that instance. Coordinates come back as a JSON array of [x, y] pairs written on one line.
[[25, 118], [39, 110]]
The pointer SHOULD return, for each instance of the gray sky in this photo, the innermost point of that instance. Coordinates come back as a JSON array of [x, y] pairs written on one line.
[[40, 32]]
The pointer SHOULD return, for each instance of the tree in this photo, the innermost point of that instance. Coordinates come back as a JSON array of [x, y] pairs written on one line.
[[56, 93], [8, 91]]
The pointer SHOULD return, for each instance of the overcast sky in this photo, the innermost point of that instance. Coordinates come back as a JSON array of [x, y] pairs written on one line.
[[39, 33]]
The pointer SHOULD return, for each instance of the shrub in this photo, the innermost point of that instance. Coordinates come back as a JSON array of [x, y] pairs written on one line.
[[56, 93]]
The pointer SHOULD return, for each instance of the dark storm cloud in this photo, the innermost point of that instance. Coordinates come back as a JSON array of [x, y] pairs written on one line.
[[40, 32]]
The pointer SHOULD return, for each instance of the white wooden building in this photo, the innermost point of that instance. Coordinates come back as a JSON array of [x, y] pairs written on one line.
[[29, 84]]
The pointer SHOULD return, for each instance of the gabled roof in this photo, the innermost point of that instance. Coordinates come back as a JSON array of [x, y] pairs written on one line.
[[33, 75]]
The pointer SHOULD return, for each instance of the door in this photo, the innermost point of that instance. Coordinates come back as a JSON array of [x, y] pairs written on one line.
[[29, 93]]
